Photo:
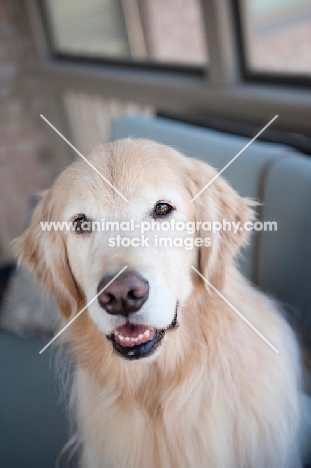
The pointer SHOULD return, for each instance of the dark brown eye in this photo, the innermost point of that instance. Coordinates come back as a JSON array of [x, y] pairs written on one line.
[[162, 209], [82, 225]]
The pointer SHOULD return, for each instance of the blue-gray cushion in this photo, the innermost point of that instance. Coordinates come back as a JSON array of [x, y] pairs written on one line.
[[33, 424], [285, 255]]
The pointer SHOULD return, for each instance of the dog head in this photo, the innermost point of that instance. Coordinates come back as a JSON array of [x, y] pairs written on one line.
[[134, 280]]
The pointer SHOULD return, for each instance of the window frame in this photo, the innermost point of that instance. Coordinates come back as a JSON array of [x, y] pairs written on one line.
[[222, 89]]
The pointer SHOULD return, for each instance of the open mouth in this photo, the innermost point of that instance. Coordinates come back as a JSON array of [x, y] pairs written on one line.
[[137, 341]]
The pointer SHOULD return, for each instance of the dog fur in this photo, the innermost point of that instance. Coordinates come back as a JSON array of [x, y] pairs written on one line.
[[214, 394]]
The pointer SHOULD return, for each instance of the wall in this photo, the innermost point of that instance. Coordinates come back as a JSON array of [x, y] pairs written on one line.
[[26, 158]]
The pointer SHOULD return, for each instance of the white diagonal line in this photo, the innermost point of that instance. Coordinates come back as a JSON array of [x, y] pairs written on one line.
[[83, 157], [82, 310], [235, 310], [235, 157]]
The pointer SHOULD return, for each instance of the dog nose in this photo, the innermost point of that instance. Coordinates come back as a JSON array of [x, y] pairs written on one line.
[[125, 295]]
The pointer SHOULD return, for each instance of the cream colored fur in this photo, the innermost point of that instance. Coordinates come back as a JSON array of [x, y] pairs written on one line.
[[214, 394]]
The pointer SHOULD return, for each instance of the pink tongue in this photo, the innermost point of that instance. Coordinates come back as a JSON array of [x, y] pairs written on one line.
[[132, 330]]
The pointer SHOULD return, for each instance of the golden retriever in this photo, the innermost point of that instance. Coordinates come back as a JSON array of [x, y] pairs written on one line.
[[167, 374]]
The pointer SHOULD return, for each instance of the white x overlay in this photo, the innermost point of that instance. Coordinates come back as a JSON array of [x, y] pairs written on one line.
[[83, 157], [196, 196], [235, 309], [82, 310], [233, 159]]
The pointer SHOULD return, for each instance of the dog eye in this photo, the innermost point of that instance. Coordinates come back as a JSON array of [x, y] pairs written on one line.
[[82, 224], [162, 209]]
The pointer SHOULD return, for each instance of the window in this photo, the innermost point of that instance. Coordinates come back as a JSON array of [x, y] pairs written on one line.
[[239, 60], [162, 31], [277, 36]]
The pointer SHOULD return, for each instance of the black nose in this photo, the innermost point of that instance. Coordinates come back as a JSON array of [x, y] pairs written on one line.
[[125, 295]]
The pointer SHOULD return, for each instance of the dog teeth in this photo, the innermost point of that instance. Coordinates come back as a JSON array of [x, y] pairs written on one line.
[[131, 339]]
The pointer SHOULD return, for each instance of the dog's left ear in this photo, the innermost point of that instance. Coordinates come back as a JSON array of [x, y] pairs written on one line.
[[218, 202], [44, 254]]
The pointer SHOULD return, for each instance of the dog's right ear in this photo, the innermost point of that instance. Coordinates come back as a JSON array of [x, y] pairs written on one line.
[[44, 253]]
